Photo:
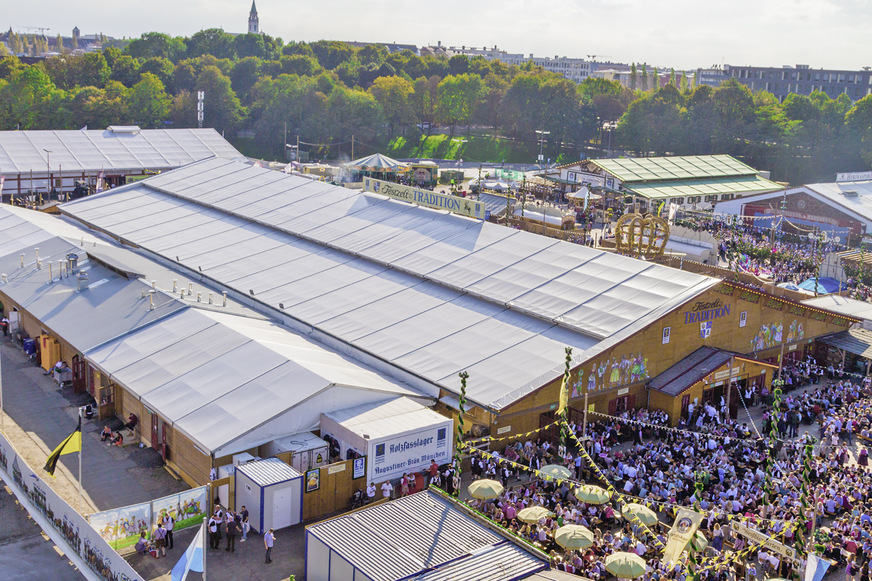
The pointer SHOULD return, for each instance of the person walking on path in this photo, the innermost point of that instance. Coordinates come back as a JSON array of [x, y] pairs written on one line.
[[268, 540]]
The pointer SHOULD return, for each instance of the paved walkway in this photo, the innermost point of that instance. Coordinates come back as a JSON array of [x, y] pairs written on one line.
[[38, 416]]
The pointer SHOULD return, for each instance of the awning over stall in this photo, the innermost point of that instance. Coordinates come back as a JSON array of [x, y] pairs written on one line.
[[697, 366], [856, 341]]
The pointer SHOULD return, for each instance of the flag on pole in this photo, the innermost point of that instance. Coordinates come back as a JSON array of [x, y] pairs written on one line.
[[660, 209], [73, 443], [99, 187], [193, 559], [586, 197], [564, 397], [815, 568]]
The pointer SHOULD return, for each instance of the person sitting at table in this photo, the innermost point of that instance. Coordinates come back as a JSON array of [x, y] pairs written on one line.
[[132, 420], [117, 439], [105, 434]]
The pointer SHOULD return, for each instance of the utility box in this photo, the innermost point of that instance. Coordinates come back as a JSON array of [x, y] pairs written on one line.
[[272, 492], [307, 450]]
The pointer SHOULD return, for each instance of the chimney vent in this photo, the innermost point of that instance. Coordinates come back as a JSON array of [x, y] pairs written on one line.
[[82, 280]]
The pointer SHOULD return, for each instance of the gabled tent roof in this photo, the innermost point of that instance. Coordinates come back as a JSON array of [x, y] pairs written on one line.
[[116, 148], [226, 377], [428, 293]]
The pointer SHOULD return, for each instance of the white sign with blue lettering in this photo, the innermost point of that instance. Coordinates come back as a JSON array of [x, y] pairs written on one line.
[[410, 453]]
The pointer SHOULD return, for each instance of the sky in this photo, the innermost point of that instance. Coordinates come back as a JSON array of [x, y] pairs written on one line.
[[683, 34]]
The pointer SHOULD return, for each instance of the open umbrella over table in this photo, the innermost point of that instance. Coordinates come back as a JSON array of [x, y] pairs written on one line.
[[555, 471], [642, 512], [485, 489], [625, 565], [533, 514], [573, 537], [592, 494]]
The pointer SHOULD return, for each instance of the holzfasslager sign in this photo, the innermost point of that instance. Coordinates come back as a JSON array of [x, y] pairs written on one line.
[[426, 198], [706, 311]]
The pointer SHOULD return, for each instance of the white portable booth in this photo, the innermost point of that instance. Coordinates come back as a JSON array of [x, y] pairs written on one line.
[[309, 451], [272, 492], [398, 436]]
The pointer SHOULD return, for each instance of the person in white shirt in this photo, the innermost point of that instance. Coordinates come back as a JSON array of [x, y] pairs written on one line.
[[387, 489], [370, 492]]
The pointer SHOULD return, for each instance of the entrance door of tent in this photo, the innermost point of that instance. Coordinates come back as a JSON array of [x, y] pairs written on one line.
[[155, 431], [80, 369], [622, 404]]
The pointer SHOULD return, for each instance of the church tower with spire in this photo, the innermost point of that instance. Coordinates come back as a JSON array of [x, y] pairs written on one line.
[[253, 25]]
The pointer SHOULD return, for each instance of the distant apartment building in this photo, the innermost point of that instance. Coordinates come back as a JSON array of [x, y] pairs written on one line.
[[574, 69], [803, 80], [712, 77]]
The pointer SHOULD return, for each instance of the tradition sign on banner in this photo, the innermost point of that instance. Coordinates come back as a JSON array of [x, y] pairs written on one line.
[[759, 538], [454, 204]]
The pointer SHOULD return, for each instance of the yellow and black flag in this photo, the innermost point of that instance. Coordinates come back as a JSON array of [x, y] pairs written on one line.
[[73, 443]]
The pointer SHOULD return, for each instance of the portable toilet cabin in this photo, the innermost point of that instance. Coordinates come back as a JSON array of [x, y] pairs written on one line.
[[272, 492]]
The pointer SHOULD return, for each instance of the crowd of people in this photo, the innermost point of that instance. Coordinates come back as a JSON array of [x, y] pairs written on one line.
[[647, 461]]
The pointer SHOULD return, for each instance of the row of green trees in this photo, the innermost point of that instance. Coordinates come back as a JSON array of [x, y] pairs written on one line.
[[323, 91], [327, 91], [806, 138]]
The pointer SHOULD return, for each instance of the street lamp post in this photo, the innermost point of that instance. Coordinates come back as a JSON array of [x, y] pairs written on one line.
[[541, 135]]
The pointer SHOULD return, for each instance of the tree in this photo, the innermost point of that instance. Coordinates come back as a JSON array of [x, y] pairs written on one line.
[[372, 54], [156, 45], [458, 64], [222, 109], [423, 99], [858, 122], [331, 53], [393, 93], [255, 45], [457, 99], [149, 104], [158, 66], [305, 66], [125, 69], [298, 48], [244, 76], [212, 41], [633, 74]]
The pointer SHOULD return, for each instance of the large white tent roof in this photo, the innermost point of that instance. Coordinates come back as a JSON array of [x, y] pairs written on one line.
[[113, 149], [229, 382], [430, 293]]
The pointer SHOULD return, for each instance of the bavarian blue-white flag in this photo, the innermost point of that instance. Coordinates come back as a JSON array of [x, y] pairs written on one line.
[[194, 558], [816, 568]]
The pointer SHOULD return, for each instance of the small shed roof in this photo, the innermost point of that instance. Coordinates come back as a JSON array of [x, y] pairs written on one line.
[[420, 535], [268, 471]]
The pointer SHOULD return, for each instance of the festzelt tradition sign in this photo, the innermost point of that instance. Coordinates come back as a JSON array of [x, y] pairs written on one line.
[[454, 204], [704, 311]]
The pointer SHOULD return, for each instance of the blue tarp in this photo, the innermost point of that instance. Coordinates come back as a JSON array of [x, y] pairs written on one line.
[[826, 285]]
